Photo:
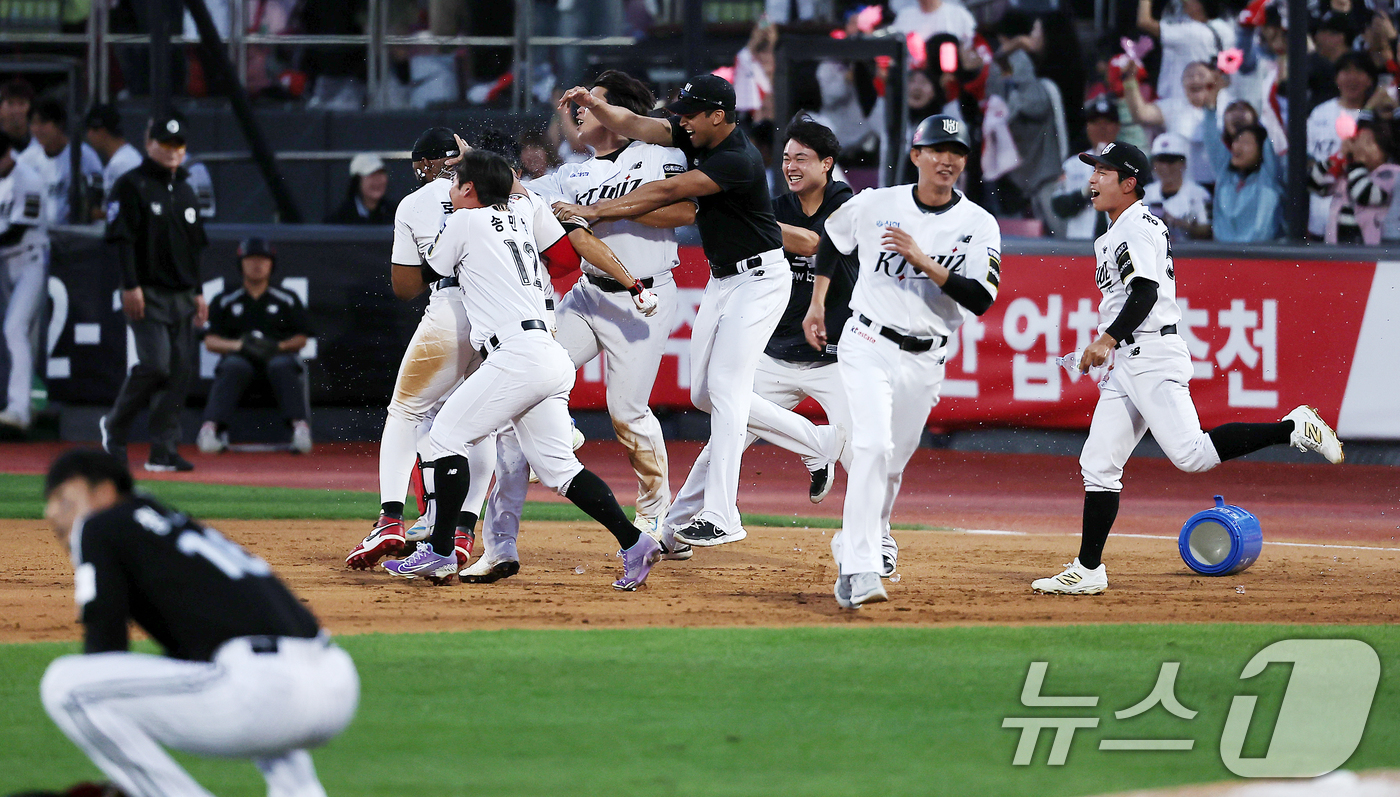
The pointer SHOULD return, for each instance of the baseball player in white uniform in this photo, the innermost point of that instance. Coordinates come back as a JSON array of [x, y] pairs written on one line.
[[927, 255], [1146, 387], [24, 245], [596, 315], [435, 362], [524, 380]]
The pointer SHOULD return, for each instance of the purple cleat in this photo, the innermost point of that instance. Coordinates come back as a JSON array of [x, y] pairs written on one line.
[[425, 563], [637, 562]]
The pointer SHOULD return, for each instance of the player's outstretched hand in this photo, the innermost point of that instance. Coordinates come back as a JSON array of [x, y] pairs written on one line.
[[579, 96], [646, 302], [814, 328], [462, 149], [563, 211], [902, 243]]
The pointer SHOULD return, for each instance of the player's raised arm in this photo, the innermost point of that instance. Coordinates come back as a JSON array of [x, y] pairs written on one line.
[[645, 199], [620, 120], [676, 214]]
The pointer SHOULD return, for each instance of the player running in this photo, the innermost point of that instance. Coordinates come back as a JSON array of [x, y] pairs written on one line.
[[595, 315], [790, 370], [927, 253], [1149, 367], [524, 380]]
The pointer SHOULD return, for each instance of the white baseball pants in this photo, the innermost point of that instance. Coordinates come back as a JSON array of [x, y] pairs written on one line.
[[781, 385], [26, 280], [591, 321], [501, 527], [895, 390], [737, 316], [525, 383], [1147, 390], [437, 358], [122, 709]]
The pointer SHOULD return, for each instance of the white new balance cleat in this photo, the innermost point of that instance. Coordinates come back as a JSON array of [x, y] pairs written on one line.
[[1075, 580], [421, 530], [866, 588], [1311, 433]]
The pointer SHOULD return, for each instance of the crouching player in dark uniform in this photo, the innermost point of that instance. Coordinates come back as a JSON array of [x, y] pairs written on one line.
[[247, 672], [258, 328]]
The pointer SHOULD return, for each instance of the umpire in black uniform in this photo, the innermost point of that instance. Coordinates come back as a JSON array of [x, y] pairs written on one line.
[[153, 219], [258, 328], [247, 671]]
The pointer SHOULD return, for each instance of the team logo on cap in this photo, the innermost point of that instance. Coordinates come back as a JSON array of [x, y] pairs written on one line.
[[687, 87], [950, 126], [1107, 148], [172, 126], [189, 215]]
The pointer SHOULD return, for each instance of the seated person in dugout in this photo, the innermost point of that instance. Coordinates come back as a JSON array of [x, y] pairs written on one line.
[[258, 329]]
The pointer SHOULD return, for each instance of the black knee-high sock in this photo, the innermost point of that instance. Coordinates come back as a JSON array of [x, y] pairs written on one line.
[[1100, 510], [1237, 439], [593, 496], [451, 480], [466, 520], [392, 509]]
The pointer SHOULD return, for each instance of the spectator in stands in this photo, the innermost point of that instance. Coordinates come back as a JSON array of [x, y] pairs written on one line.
[[257, 329], [366, 200], [1184, 41], [104, 133], [1361, 194], [1356, 81], [1322, 75], [753, 74], [931, 17], [1071, 202], [1248, 182], [1173, 197], [16, 100], [1031, 119], [1332, 35], [49, 125], [1180, 114]]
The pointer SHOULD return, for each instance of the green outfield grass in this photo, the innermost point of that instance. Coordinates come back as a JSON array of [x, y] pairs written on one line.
[[807, 711], [20, 498]]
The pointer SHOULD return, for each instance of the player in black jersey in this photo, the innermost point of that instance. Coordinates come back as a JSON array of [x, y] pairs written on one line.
[[247, 672]]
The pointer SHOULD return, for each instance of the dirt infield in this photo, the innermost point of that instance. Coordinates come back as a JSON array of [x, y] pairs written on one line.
[[776, 577]]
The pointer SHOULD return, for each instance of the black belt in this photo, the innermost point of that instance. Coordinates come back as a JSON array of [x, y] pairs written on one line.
[[1169, 329], [730, 269], [608, 285], [446, 282], [527, 324], [907, 342]]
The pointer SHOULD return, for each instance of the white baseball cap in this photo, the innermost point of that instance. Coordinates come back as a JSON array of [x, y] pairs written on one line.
[[1171, 145], [365, 164]]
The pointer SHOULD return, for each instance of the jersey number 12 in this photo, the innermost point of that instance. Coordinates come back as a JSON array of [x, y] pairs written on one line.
[[520, 264]]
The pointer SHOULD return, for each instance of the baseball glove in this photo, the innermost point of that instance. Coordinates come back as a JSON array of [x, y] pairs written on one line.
[[258, 348]]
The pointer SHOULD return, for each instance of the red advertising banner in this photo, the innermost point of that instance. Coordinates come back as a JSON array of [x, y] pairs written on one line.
[[1264, 336]]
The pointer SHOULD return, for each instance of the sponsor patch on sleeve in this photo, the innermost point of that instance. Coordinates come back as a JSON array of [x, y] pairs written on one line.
[[31, 205], [1125, 261], [673, 169], [994, 267]]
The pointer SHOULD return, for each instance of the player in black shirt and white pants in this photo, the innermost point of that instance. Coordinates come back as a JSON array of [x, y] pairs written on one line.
[[247, 672], [1150, 366], [927, 253], [790, 370], [749, 284]]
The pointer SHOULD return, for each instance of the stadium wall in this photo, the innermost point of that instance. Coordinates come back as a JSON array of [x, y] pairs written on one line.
[[1268, 328]]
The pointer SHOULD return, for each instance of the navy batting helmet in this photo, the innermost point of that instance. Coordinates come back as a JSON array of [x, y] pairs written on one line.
[[256, 247], [942, 129], [435, 143]]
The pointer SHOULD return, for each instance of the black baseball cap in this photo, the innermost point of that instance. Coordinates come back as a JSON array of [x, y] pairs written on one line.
[[1102, 108], [941, 129], [167, 128], [104, 117], [1335, 22], [704, 93], [435, 143], [1126, 159], [256, 247]]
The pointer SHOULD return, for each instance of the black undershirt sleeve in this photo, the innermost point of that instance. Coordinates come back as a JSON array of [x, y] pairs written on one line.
[[11, 236], [1142, 295], [968, 292], [829, 258]]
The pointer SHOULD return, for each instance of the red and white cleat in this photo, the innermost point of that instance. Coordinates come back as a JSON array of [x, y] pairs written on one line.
[[387, 539]]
